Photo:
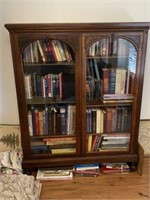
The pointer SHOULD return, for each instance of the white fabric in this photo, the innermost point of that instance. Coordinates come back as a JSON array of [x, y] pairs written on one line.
[[19, 187]]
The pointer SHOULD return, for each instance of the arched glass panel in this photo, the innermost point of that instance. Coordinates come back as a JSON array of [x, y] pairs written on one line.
[[111, 65], [110, 72], [49, 79]]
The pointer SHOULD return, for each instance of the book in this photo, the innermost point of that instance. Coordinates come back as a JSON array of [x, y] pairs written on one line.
[[60, 139], [117, 97], [132, 83], [115, 142], [63, 151], [112, 80], [54, 174], [91, 169], [105, 83], [40, 149], [89, 143], [89, 173], [117, 101], [30, 123], [61, 50], [41, 50], [28, 86], [108, 168], [96, 142], [108, 119], [87, 166]]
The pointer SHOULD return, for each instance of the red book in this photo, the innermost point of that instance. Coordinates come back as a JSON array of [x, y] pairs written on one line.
[[105, 89], [36, 121], [108, 119], [115, 168]]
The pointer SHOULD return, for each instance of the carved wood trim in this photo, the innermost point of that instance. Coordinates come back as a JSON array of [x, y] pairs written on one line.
[[134, 38], [92, 38], [71, 40]]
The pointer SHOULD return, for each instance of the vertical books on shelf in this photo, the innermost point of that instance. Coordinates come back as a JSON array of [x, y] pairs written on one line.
[[108, 127], [116, 81], [47, 50], [45, 91], [109, 119], [49, 85], [114, 121], [52, 120], [110, 46]]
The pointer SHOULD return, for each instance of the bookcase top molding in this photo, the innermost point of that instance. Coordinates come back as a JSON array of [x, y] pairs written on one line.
[[30, 27]]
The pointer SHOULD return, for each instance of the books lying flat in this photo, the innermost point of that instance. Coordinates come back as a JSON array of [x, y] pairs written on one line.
[[115, 168], [118, 101], [54, 174], [87, 166], [91, 169], [63, 151], [92, 172], [117, 97]]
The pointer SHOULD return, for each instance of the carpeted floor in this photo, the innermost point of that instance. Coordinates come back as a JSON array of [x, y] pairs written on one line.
[[144, 136]]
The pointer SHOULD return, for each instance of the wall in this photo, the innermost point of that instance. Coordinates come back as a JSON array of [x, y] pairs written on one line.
[[47, 11]]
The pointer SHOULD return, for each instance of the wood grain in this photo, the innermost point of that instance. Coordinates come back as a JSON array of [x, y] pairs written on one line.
[[130, 186]]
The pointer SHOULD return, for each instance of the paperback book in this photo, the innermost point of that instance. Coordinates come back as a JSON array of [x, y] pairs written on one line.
[[54, 174]]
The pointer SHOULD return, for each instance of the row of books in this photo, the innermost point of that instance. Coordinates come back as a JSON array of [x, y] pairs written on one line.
[[51, 120], [102, 80], [47, 50], [49, 85], [109, 119], [104, 47], [93, 89], [117, 81], [93, 81], [110, 46], [108, 142], [53, 145], [46, 174], [90, 170], [95, 120]]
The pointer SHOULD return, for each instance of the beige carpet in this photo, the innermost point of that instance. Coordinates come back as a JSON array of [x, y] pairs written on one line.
[[144, 136]]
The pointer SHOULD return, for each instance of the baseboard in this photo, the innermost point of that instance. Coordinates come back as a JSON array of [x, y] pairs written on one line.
[[144, 119], [141, 159]]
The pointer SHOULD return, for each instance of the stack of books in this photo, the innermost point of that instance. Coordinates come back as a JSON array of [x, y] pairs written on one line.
[[86, 169], [108, 168], [45, 174]]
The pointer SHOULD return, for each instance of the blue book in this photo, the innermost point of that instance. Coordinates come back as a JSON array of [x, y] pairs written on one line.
[[86, 166]]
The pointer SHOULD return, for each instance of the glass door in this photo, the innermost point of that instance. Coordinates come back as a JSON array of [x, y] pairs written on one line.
[[110, 75], [49, 80]]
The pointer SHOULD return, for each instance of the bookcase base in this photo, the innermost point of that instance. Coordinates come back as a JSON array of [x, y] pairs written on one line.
[[70, 161]]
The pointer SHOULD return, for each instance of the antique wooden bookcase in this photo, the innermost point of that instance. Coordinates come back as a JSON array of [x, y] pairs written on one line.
[[79, 90]]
